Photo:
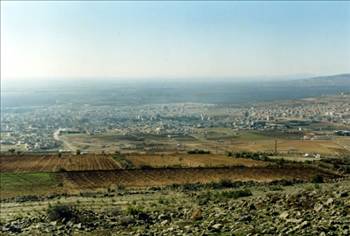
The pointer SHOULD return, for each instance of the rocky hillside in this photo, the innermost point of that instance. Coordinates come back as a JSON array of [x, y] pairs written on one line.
[[225, 208]]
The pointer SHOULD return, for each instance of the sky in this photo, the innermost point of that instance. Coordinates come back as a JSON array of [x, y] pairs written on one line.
[[123, 40]]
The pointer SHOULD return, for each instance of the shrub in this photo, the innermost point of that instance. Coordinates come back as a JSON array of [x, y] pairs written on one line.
[[133, 210], [236, 194], [198, 151], [120, 187], [162, 200], [125, 163], [61, 169], [205, 197], [115, 211], [138, 213], [317, 179], [61, 212], [275, 188], [224, 183]]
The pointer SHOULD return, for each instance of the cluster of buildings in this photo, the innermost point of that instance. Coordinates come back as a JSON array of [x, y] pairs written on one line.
[[34, 127]]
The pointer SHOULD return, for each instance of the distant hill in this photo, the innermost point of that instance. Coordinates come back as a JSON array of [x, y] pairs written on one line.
[[212, 92], [320, 81]]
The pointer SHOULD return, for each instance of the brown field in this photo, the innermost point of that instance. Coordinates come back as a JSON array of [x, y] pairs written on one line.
[[166, 176], [217, 141], [74, 182], [325, 147], [186, 160], [53, 163], [33, 174]]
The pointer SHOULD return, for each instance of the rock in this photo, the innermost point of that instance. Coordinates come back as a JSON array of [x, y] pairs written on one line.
[[246, 218], [13, 227], [164, 222], [329, 201], [318, 207], [284, 215], [196, 214], [296, 221], [216, 226], [343, 194], [162, 217], [70, 224], [54, 223], [301, 226]]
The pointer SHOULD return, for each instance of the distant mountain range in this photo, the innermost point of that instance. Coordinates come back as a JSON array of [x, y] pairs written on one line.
[[173, 92], [332, 80]]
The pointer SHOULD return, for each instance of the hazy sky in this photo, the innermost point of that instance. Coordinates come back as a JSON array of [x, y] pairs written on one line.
[[173, 39]]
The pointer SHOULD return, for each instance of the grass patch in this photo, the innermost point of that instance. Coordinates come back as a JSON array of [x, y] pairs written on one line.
[[13, 184], [218, 196]]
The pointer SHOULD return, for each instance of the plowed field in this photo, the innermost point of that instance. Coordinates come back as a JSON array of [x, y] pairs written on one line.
[[53, 163]]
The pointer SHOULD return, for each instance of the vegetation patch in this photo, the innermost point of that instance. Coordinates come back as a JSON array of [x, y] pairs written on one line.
[[18, 183], [61, 213], [198, 151], [218, 196], [317, 179], [125, 163]]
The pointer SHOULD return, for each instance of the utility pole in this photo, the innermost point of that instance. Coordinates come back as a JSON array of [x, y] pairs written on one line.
[[275, 146]]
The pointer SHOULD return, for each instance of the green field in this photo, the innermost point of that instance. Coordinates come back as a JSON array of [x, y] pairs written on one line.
[[27, 183]]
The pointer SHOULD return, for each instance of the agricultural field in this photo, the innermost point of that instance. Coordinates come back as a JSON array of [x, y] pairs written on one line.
[[52, 174], [187, 160], [54, 163], [39, 183], [216, 140]]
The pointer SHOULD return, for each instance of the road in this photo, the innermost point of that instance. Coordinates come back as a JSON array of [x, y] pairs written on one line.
[[66, 144]]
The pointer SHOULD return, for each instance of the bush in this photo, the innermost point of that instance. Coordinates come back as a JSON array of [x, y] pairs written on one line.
[[115, 211], [146, 167], [138, 213], [236, 194], [205, 197], [275, 188], [133, 210], [125, 163], [120, 187], [317, 179], [198, 151], [61, 213], [224, 183], [62, 169]]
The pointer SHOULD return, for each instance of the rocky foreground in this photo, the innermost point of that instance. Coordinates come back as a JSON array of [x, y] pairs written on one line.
[[300, 209]]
